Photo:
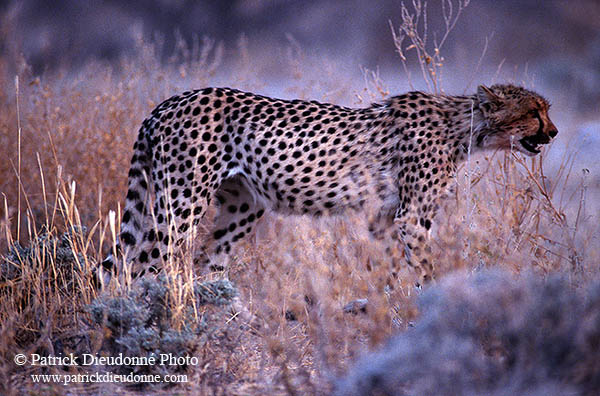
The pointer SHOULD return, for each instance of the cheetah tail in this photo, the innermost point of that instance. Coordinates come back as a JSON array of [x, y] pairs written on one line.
[[135, 212]]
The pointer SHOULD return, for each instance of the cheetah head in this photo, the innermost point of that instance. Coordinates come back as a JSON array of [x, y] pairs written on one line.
[[514, 118]]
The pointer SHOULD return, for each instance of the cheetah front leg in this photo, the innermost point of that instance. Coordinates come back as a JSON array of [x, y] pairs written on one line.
[[413, 232]]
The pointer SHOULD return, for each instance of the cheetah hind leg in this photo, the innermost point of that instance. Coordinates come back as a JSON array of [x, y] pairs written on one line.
[[171, 230], [237, 213]]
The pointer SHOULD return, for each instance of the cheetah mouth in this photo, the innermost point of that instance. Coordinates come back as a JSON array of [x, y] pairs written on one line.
[[532, 143], [529, 145]]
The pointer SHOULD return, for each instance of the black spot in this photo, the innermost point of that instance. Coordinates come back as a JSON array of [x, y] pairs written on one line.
[[427, 224], [127, 238], [219, 234], [133, 195], [290, 316], [134, 173], [108, 264]]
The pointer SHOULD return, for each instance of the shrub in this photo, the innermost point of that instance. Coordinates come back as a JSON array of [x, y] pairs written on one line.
[[491, 334], [140, 323]]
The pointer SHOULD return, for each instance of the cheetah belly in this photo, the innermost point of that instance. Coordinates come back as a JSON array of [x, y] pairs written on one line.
[[295, 191]]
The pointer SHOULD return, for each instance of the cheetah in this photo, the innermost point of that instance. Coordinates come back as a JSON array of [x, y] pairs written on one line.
[[246, 153]]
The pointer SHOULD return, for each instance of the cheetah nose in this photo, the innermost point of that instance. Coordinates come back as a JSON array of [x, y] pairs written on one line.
[[553, 133]]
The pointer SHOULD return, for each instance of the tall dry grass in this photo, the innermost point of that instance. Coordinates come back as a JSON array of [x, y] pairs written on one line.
[[66, 149]]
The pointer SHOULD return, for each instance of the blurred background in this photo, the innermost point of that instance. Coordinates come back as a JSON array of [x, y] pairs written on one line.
[[556, 43], [552, 46]]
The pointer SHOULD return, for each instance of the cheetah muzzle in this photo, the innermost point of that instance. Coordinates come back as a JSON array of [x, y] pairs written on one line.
[[242, 154]]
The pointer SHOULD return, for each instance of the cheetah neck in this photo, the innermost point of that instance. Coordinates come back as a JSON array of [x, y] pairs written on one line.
[[452, 126], [466, 126], [459, 122]]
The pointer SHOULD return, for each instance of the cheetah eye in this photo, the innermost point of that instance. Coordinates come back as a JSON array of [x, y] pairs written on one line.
[[534, 113]]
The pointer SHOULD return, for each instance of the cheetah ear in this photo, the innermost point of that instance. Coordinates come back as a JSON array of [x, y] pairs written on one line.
[[486, 95], [489, 101]]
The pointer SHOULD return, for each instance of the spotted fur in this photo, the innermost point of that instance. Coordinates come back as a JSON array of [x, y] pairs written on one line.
[[244, 153]]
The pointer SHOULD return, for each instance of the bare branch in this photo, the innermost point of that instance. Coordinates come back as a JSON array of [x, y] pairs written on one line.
[[415, 28]]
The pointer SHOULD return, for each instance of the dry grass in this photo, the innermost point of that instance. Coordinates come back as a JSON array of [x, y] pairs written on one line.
[[66, 150]]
